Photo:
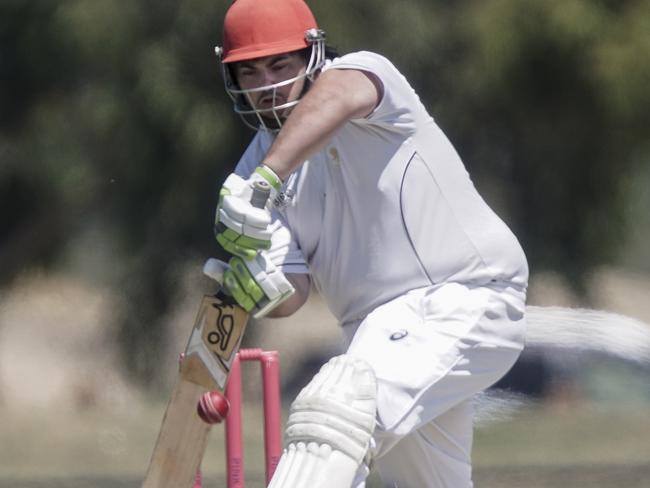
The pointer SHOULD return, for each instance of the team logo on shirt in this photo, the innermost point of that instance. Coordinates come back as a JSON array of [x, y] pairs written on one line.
[[400, 334]]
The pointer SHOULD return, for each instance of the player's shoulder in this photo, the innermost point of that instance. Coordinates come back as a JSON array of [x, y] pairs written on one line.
[[364, 60], [362, 56]]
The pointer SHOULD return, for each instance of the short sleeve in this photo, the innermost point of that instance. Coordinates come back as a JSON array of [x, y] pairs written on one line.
[[400, 106]]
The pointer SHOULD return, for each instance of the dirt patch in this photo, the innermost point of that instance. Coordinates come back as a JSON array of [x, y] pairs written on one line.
[[55, 347]]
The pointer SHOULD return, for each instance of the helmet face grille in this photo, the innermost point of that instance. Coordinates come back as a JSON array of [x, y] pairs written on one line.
[[271, 118]]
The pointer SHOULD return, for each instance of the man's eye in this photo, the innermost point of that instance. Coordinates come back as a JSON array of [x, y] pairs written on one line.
[[279, 67]]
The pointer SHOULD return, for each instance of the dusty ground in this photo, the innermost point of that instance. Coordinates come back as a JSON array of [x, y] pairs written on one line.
[[541, 447]]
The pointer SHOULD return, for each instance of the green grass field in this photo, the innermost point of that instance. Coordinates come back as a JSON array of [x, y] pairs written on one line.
[[569, 447]]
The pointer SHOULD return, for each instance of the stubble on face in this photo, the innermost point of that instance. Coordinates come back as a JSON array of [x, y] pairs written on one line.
[[270, 70]]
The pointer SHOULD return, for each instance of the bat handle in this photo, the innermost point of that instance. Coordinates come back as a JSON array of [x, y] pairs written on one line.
[[261, 193]]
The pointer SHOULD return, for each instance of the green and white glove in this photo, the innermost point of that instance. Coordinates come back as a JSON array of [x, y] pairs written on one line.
[[240, 227], [257, 285]]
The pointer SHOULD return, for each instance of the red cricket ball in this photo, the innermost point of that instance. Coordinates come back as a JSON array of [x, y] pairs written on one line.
[[213, 407]]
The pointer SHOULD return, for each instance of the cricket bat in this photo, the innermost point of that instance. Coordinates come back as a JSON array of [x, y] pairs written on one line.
[[214, 341]]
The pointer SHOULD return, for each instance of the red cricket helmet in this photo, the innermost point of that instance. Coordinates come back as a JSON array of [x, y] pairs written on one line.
[[259, 28]]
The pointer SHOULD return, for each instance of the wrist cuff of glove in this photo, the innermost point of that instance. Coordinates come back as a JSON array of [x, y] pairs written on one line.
[[270, 177]]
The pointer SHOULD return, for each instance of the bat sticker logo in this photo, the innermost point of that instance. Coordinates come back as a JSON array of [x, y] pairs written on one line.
[[224, 324]]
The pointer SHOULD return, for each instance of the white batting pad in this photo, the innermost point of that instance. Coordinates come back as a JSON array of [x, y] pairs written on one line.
[[329, 427]]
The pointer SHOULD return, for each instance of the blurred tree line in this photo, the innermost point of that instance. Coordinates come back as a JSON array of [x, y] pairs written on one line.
[[113, 119]]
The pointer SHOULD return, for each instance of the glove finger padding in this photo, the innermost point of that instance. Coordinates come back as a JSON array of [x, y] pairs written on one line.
[[243, 288], [257, 285], [238, 244], [239, 215], [240, 227]]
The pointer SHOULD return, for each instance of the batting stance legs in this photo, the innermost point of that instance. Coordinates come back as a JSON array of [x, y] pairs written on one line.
[[432, 350], [416, 361]]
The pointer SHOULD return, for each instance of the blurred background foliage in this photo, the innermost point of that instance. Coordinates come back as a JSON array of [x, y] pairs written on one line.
[[115, 132]]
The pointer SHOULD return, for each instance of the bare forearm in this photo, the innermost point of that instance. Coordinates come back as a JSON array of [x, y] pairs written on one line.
[[302, 135], [335, 98]]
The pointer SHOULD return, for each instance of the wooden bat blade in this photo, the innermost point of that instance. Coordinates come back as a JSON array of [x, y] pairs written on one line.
[[215, 339], [181, 442], [211, 349]]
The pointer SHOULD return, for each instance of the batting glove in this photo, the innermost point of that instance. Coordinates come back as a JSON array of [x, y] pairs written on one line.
[[257, 285], [240, 227]]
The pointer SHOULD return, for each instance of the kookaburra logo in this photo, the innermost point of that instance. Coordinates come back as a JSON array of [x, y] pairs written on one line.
[[222, 328]]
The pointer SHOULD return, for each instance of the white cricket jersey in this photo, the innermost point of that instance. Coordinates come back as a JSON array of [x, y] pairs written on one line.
[[387, 206]]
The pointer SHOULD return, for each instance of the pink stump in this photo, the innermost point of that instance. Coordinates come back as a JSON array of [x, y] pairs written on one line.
[[272, 411], [272, 415]]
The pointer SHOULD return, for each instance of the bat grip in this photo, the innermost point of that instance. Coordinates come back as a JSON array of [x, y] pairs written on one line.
[[261, 193]]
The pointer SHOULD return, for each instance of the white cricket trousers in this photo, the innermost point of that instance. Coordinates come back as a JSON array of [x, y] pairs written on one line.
[[432, 350]]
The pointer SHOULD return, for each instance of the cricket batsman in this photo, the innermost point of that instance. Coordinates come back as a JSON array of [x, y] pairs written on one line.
[[372, 205]]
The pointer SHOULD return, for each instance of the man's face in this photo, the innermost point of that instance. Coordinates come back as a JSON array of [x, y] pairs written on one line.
[[269, 70]]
